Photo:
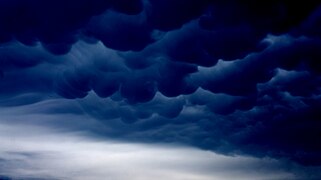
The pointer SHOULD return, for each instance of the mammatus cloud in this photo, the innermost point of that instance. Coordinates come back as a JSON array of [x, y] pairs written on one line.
[[233, 77]]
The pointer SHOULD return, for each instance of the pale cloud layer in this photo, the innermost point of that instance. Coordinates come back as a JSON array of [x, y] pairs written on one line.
[[29, 151]]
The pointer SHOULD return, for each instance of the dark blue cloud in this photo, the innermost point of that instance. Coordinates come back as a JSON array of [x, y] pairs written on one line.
[[55, 23], [235, 77], [112, 29], [5, 178], [167, 15]]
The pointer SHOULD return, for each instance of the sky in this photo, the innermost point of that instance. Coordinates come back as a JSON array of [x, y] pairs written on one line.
[[160, 89]]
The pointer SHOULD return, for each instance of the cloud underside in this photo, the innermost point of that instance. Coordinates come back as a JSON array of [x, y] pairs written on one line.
[[234, 77]]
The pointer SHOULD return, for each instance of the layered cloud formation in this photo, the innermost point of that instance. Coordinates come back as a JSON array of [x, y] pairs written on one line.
[[233, 77], [50, 155]]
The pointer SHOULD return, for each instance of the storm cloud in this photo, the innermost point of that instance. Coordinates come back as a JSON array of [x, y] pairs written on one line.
[[233, 77]]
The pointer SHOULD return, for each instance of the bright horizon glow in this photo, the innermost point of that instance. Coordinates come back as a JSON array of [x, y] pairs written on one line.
[[38, 152]]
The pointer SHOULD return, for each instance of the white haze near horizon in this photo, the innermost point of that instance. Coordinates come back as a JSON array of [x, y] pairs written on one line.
[[37, 144], [33, 151]]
